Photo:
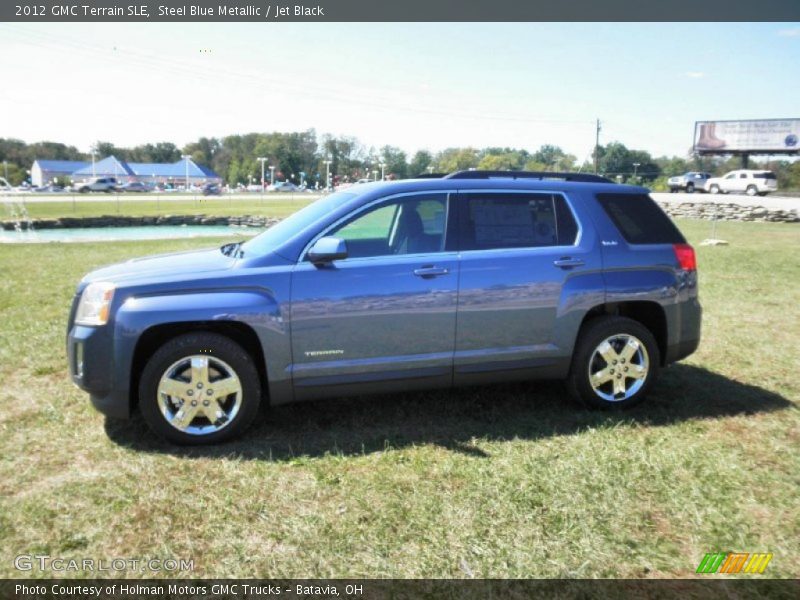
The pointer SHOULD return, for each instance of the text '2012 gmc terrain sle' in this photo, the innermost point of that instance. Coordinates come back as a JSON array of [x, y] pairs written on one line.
[[474, 277]]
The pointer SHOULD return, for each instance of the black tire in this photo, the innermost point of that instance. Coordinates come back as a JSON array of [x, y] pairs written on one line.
[[591, 336], [751, 191], [690, 188], [214, 346], [714, 189], [673, 190], [84, 190]]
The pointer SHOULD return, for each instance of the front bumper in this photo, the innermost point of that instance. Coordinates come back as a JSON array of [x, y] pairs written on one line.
[[91, 366]]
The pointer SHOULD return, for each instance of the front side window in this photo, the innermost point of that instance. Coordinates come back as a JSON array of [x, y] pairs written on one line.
[[406, 225], [493, 221]]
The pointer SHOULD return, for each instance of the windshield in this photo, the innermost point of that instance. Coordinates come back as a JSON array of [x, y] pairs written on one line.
[[282, 232]]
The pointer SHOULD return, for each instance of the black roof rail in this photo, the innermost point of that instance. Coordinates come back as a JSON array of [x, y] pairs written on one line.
[[430, 175], [582, 177]]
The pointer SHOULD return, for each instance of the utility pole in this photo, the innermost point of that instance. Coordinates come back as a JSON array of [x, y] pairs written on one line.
[[186, 157], [262, 160], [328, 174], [272, 175], [635, 168], [597, 147], [383, 167]]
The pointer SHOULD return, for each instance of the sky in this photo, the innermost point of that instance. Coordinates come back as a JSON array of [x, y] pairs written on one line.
[[413, 85]]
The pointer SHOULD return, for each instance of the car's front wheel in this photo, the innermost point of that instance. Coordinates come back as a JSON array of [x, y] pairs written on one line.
[[199, 388], [690, 188], [616, 361]]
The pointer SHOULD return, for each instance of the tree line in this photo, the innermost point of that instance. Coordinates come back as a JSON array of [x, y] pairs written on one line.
[[302, 156]]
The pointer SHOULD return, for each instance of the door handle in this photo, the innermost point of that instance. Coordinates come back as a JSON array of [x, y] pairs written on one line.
[[429, 271], [567, 262]]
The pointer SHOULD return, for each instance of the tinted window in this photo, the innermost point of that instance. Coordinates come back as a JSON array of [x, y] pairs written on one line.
[[516, 221], [765, 175], [407, 225], [639, 219]]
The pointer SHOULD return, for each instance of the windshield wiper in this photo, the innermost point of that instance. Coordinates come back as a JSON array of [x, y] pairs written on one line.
[[233, 249]]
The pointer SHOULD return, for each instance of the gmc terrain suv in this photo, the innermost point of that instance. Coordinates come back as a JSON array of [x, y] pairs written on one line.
[[470, 278]]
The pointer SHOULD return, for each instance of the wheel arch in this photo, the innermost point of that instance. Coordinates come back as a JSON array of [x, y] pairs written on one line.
[[649, 313], [157, 335]]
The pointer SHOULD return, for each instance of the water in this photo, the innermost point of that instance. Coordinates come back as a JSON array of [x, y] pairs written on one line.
[[115, 234]]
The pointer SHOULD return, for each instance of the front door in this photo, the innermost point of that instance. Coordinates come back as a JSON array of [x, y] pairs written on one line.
[[384, 317]]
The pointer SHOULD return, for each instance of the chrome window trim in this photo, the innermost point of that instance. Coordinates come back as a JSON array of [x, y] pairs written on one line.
[[447, 193], [578, 235]]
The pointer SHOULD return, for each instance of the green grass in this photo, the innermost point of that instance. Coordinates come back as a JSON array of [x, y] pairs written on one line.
[[501, 481], [273, 206]]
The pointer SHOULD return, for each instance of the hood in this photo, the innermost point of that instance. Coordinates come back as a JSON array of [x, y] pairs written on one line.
[[163, 265]]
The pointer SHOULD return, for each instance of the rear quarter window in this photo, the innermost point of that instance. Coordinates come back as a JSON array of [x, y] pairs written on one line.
[[639, 219]]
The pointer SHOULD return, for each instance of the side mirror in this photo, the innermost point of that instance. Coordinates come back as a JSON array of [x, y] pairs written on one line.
[[326, 250]]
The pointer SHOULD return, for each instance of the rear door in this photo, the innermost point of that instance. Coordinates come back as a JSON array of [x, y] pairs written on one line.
[[517, 251]]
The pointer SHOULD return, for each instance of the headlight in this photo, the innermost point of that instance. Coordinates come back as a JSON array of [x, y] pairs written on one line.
[[95, 304]]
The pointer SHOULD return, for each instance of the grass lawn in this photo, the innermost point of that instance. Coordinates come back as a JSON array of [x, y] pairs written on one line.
[[501, 481], [270, 205]]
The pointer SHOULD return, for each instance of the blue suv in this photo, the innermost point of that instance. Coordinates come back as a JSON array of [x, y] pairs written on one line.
[[470, 278]]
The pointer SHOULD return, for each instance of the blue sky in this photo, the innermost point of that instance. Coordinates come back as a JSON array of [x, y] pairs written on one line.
[[413, 85]]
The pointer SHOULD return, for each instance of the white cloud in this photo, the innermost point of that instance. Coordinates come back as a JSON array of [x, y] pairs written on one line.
[[789, 32], [695, 74]]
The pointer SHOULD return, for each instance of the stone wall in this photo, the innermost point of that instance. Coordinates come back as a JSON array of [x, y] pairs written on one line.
[[729, 212], [688, 210], [117, 221]]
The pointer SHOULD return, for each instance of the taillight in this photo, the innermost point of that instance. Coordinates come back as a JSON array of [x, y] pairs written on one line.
[[685, 255]]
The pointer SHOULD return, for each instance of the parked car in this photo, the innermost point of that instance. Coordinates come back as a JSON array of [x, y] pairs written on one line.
[[282, 186], [688, 182], [750, 182], [212, 189], [136, 187], [49, 189], [565, 276], [97, 184]]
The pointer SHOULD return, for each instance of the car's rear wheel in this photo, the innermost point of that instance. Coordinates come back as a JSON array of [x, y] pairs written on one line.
[[714, 189], [615, 363], [751, 190], [199, 388]]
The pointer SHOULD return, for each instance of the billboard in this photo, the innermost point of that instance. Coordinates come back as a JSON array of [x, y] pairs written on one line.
[[764, 135]]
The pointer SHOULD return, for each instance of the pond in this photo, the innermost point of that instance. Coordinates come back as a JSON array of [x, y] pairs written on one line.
[[114, 234]]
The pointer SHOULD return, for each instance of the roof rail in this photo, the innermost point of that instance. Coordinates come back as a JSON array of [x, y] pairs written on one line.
[[583, 177], [430, 175]]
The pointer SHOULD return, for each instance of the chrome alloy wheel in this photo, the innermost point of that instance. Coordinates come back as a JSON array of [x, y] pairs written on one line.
[[199, 394], [618, 367]]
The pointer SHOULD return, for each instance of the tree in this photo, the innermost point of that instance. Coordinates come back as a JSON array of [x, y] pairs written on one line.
[[419, 163], [394, 160], [456, 159]]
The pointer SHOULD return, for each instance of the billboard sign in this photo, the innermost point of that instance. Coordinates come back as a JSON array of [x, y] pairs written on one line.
[[764, 135]]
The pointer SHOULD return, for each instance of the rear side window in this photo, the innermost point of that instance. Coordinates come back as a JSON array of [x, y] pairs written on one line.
[[764, 175], [639, 219], [496, 220]]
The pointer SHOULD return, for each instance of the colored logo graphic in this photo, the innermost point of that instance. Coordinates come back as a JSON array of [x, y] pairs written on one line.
[[791, 140], [734, 562]]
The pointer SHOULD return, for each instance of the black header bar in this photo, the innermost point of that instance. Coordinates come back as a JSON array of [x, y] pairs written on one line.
[[179, 11]]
